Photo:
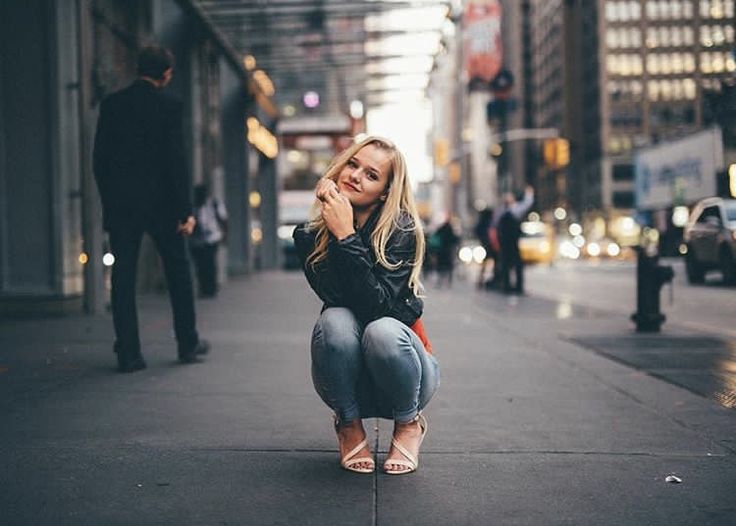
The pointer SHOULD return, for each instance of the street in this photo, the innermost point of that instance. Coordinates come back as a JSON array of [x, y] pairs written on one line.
[[537, 420], [611, 286]]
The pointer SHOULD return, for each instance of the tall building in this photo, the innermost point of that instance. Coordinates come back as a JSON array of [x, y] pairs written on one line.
[[615, 75]]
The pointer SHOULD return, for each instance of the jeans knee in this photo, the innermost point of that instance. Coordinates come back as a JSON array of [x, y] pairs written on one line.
[[385, 339], [336, 332]]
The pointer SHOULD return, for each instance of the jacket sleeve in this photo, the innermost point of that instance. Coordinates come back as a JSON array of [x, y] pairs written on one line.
[[373, 290], [323, 277], [176, 167]]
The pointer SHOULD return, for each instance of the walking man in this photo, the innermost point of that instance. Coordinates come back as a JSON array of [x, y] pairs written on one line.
[[140, 170]]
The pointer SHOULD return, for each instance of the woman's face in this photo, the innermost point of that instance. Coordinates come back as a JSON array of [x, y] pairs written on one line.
[[365, 176]]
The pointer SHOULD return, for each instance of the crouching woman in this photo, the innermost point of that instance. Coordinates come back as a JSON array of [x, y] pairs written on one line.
[[362, 254]]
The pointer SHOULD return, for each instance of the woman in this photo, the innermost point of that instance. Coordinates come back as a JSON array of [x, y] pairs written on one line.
[[362, 254]]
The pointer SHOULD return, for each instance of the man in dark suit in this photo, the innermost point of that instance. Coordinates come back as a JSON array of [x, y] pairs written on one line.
[[140, 169]]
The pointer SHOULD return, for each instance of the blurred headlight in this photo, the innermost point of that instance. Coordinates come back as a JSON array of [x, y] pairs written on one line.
[[682, 249], [613, 250], [594, 249], [568, 250], [578, 241], [465, 254], [479, 254]]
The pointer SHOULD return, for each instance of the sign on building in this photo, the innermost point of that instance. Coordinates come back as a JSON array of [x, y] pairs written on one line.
[[482, 39], [678, 172]]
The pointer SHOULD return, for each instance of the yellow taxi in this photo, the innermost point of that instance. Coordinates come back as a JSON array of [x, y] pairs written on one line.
[[536, 243]]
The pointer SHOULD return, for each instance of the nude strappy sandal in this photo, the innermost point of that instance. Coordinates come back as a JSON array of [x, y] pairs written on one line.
[[411, 462], [349, 463]]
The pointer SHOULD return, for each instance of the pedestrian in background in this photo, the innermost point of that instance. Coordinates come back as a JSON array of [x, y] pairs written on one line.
[[446, 242], [210, 231], [484, 232], [509, 232], [140, 169], [362, 254]]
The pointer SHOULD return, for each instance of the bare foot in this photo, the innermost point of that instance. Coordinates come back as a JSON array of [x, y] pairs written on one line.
[[350, 435], [409, 435]]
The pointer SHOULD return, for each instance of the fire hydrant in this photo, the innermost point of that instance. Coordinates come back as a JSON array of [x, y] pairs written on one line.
[[650, 277]]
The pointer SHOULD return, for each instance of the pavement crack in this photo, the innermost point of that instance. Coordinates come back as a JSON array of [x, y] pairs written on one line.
[[376, 431]]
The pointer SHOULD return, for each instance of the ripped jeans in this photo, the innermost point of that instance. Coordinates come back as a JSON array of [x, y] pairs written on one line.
[[380, 370]]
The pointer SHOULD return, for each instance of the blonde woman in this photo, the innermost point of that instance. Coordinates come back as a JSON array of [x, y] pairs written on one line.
[[362, 254]]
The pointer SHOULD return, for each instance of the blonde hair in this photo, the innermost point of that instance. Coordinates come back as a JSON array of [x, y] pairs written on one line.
[[399, 199]]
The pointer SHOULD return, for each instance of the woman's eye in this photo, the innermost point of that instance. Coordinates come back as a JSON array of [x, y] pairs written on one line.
[[352, 164], [373, 176]]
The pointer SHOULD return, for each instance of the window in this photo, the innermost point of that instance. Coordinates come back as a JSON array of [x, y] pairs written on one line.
[[704, 9], [688, 36], [652, 39], [718, 35], [688, 60], [719, 62], [612, 38], [635, 37], [623, 172], [652, 10], [676, 34], [705, 36], [705, 63], [676, 9], [653, 90], [676, 61], [635, 10], [611, 11], [653, 64], [623, 199], [711, 211]]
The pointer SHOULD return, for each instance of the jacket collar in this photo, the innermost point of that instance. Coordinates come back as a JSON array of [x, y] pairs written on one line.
[[370, 223]]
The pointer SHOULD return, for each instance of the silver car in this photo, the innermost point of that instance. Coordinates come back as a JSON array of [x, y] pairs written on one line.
[[710, 235]]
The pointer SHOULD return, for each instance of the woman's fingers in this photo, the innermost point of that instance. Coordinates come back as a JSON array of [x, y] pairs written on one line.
[[324, 187]]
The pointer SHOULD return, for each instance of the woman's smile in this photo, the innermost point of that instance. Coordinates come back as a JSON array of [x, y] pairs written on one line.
[[350, 186]]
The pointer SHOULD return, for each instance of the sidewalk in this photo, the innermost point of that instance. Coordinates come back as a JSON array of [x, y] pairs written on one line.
[[528, 427]]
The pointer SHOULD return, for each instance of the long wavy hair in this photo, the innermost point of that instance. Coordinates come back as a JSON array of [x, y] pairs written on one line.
[[398, 199]]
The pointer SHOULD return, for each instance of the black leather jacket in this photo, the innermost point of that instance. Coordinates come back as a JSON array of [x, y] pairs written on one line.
[[351, 277]]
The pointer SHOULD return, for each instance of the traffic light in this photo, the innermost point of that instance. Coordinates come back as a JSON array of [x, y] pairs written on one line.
[[556, 153], [441, 152]]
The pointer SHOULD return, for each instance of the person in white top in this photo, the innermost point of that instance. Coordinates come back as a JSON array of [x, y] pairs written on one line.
[[210, 231]]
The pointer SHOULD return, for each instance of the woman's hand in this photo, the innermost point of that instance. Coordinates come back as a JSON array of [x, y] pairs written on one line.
[[337, 212], [323, 186]]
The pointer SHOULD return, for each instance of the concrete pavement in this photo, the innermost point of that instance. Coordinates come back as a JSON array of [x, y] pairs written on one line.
[[529, 427]]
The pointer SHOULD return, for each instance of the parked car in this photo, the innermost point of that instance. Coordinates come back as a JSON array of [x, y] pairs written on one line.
[[710, 238]]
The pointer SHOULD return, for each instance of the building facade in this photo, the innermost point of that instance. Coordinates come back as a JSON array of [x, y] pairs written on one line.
[[58, 59], [617, 75]]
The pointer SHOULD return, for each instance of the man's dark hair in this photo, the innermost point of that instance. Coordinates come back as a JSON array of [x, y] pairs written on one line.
[[153, 61]]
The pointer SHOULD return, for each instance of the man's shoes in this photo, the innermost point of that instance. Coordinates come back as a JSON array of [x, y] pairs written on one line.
[[192, 355], [128, 365], [203, 347]]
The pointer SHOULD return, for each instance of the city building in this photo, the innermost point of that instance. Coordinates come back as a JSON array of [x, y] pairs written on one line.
[[614, 76]]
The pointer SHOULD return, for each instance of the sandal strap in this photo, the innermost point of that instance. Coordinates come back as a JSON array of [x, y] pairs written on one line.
[[349, 456], [403, 451], [412, 461]]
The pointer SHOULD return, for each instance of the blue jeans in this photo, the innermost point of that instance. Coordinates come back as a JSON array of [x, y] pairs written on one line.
[[380, 370]]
